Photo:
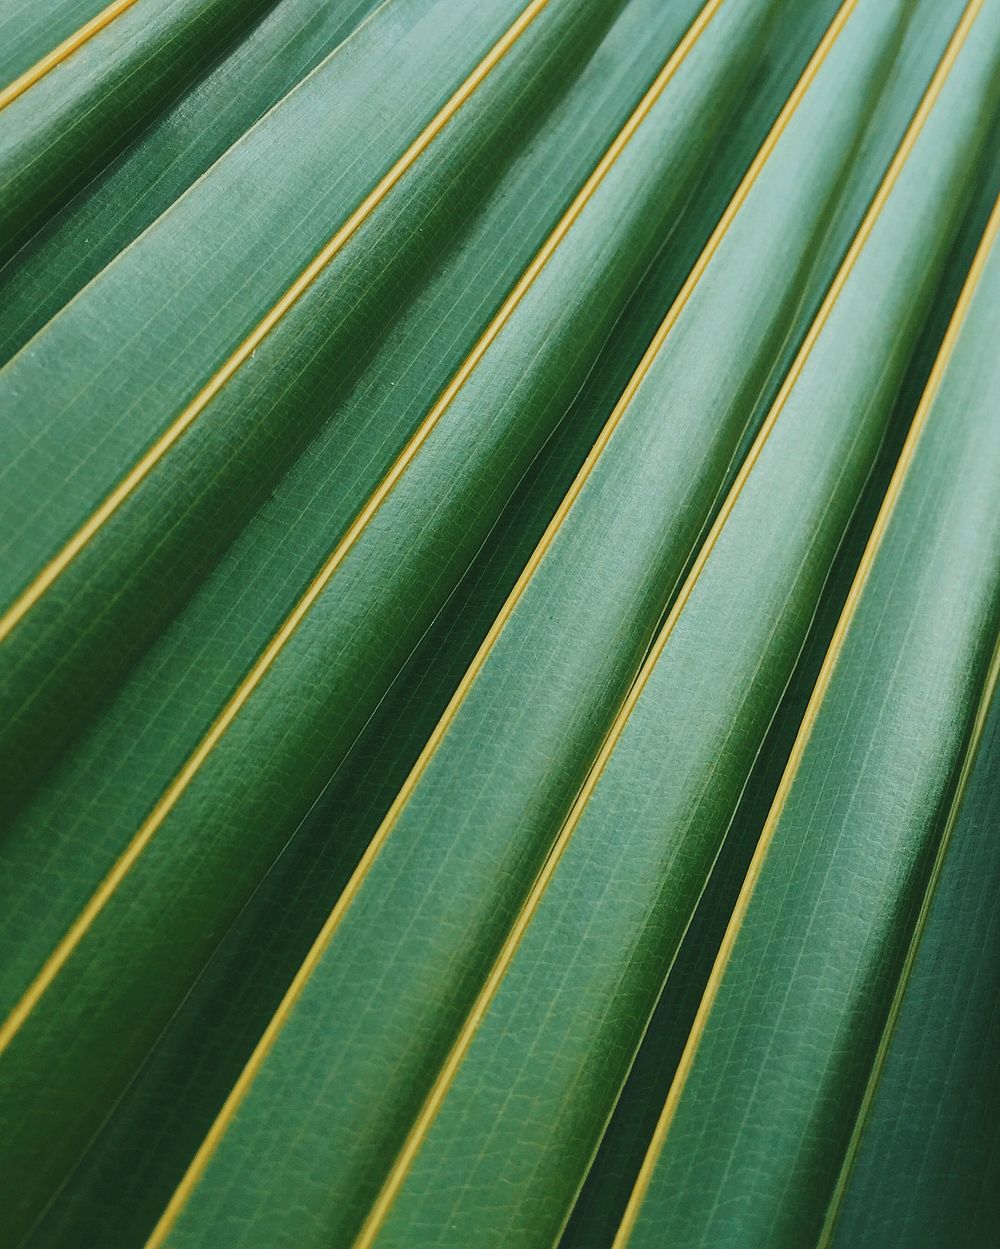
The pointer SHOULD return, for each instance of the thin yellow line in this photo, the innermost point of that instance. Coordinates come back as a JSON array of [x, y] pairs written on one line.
[[501, 966], [892, 1018], [172, 794], [61, 561], [62, 52], [812, 710], [975, 738], [247, 1076]]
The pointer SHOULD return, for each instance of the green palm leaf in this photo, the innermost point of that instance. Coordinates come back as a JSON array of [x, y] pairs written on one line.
[[496, 705], [868, 831], [187, 137], [935, 1052], [71, 112]]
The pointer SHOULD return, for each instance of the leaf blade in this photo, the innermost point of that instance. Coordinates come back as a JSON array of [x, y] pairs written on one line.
[[649, 1210]]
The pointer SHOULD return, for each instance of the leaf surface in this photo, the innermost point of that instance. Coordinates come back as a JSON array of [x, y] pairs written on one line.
[[286, 42], [846, 844], [82, 960], [85, 105], [924, 1161], [530, 1095], [28, 34], [498, 613], [137, 1160], [427, 878]]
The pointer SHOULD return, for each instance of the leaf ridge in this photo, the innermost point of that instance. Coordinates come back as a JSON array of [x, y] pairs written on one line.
[[65, 948], [830, 660], [57, 565], [62, 52], [60, 955], [480, 1007], [504, 959], [590, 186], [976, 731]]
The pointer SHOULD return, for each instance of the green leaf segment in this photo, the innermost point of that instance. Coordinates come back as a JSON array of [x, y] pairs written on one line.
[[499, 601]]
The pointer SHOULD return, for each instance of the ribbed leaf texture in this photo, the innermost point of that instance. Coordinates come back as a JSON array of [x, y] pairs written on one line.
[[499, 608]]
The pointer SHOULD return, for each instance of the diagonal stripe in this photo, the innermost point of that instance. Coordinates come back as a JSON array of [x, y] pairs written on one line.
[[62, 52], [62, 952], [888, 1032], [242, 1086], [462, 1045], [822, 682], [43, 581], [172, 795]]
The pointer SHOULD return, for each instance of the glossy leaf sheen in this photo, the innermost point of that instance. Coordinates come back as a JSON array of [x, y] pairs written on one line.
[[204, 1048], [283, 45], [438, 442], [929, 1163], [849, 845], [533, 1098]]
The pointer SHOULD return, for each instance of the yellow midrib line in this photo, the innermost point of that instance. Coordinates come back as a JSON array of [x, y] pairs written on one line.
[[895, 1009], [825, 675], [71, 939], [217, 1131], [501, 965], [64, 949], [54, 569], [62, 52]]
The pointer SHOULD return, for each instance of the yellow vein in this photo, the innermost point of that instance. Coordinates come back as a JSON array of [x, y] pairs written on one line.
[[63, 951], [975, 738], [62, 52], [812, 710], [54, 569], [442, 1085], [242, 1085], [892, 1019]]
